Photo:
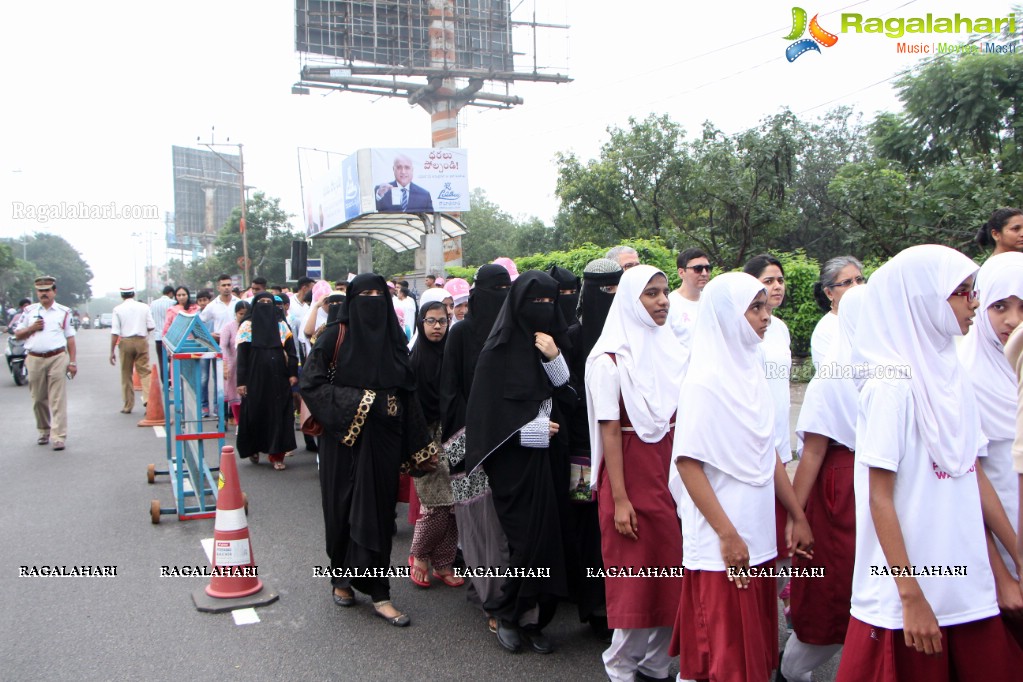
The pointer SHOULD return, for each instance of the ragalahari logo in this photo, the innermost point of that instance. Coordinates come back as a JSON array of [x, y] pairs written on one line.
[[817, 35]]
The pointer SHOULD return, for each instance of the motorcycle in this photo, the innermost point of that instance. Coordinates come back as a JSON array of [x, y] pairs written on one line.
[[15, 354]]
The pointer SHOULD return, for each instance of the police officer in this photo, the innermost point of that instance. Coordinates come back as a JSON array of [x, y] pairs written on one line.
[[49, 338]]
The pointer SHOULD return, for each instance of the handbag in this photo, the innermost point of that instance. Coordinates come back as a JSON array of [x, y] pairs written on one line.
[[310, 426]]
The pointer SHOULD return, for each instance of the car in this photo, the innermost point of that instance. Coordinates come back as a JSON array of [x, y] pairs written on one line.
[[105, 320]]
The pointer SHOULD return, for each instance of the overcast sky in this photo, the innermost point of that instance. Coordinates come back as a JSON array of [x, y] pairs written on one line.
[[97, 93]]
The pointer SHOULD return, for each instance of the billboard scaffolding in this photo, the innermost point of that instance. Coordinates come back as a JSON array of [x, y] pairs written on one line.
[[364, 46], [205, 193]]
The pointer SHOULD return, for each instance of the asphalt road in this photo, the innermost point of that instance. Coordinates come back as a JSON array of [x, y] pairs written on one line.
[[89, 505]]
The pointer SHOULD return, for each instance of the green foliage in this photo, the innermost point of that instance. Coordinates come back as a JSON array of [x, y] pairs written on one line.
[[799, 310], [48, 254], [16, 276]]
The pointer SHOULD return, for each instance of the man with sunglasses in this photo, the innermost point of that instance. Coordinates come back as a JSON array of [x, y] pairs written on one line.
[[49, 338], [694, 270]]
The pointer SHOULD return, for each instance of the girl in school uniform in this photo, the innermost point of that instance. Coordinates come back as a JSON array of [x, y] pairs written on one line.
[[633, 375], [1000, 284], [725, 457], [824, 489], [923, 601]]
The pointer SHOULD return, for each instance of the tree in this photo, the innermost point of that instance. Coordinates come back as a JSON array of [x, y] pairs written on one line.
[[16, 278], [269, 234], [53, 255]]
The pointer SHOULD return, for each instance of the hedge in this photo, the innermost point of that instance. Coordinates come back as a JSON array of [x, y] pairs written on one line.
[[800, 311]]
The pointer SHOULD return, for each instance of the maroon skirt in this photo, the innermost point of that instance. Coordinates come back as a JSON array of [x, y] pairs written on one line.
[[820, 606], [724, 633], [642, 602]]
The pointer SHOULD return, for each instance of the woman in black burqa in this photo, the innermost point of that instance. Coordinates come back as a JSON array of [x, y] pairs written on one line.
[[511, 418], [267, 368], [373, 426], [479, 530]]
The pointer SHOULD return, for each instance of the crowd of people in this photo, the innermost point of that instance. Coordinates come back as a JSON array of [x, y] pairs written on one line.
[[600, 439]]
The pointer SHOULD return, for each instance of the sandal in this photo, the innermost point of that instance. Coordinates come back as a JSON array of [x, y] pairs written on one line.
[[417, 575], [400, 621], [279, 466], [492, 624], [254, 458], [43, 440], [449, 579]]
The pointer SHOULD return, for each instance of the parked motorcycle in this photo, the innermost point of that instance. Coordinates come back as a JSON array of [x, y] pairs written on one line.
[[15, 354]]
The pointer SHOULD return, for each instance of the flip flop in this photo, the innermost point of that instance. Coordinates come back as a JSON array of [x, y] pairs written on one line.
[[450, 579], [279, 466], [423, 582]]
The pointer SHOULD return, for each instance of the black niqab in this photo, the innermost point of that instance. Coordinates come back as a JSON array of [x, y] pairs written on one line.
[[427, 361], [566, 302], [374, 353], [334, 304], [510, 383], [486, 299], [264, 317]]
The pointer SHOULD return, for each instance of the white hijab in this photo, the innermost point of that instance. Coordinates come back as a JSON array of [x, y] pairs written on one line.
[[831, 401], [649, 360], [983, 354], [727, 417], [906, 321]]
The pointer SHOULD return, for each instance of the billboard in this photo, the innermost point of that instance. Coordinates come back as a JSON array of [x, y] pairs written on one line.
[[399, 180], [336, 199], [206, 190], [420, 180], [398, 33]]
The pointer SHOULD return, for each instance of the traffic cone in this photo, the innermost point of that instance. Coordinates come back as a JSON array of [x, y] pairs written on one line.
[[231, 544], [136, 383], [154, 406]]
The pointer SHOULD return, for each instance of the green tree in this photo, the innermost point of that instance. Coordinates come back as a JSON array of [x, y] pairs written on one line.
[[269, 235], [16, 277], [50, 254]]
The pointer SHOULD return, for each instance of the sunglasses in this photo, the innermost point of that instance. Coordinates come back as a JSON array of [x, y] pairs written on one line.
[[698, 268], [970, 295], [848, 282]]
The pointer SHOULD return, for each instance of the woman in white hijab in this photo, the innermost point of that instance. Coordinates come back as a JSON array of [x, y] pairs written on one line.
[[1000, 284], [923, 599], [636, 364], [826, 430], [726, 459]]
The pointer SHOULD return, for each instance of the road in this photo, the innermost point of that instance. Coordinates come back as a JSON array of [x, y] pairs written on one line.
[[89, 505]]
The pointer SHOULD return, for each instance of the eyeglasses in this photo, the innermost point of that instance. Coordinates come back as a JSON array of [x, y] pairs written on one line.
[[698, 268], [849, 282], [435, 322], [630, 265], [970, 295]]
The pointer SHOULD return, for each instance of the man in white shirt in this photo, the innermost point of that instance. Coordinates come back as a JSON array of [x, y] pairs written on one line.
[[159, 309], [49, 338], [129, 331], [694, 270], [215, 315]]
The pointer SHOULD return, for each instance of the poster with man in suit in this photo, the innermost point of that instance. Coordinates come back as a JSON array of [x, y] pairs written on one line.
[[401, 195]]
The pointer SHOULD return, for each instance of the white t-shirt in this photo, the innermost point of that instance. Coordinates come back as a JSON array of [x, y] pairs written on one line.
[[682, 318], [998, 467], [750, 508], [217, 313], [605, 388], [940, 518], [823, 337], [777, 351]]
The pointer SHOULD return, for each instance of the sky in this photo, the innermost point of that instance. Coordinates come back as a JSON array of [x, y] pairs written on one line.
[[97, 93]]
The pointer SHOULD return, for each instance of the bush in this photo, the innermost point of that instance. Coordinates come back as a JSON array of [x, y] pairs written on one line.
[[800, 311]]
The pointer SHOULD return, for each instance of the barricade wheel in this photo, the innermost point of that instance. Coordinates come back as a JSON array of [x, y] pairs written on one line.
[[151, 473], [154, 511]]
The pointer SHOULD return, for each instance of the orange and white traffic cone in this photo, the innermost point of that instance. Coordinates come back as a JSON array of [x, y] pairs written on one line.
[[232, 547], [136, 382], [154, 406], [234, 583]]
